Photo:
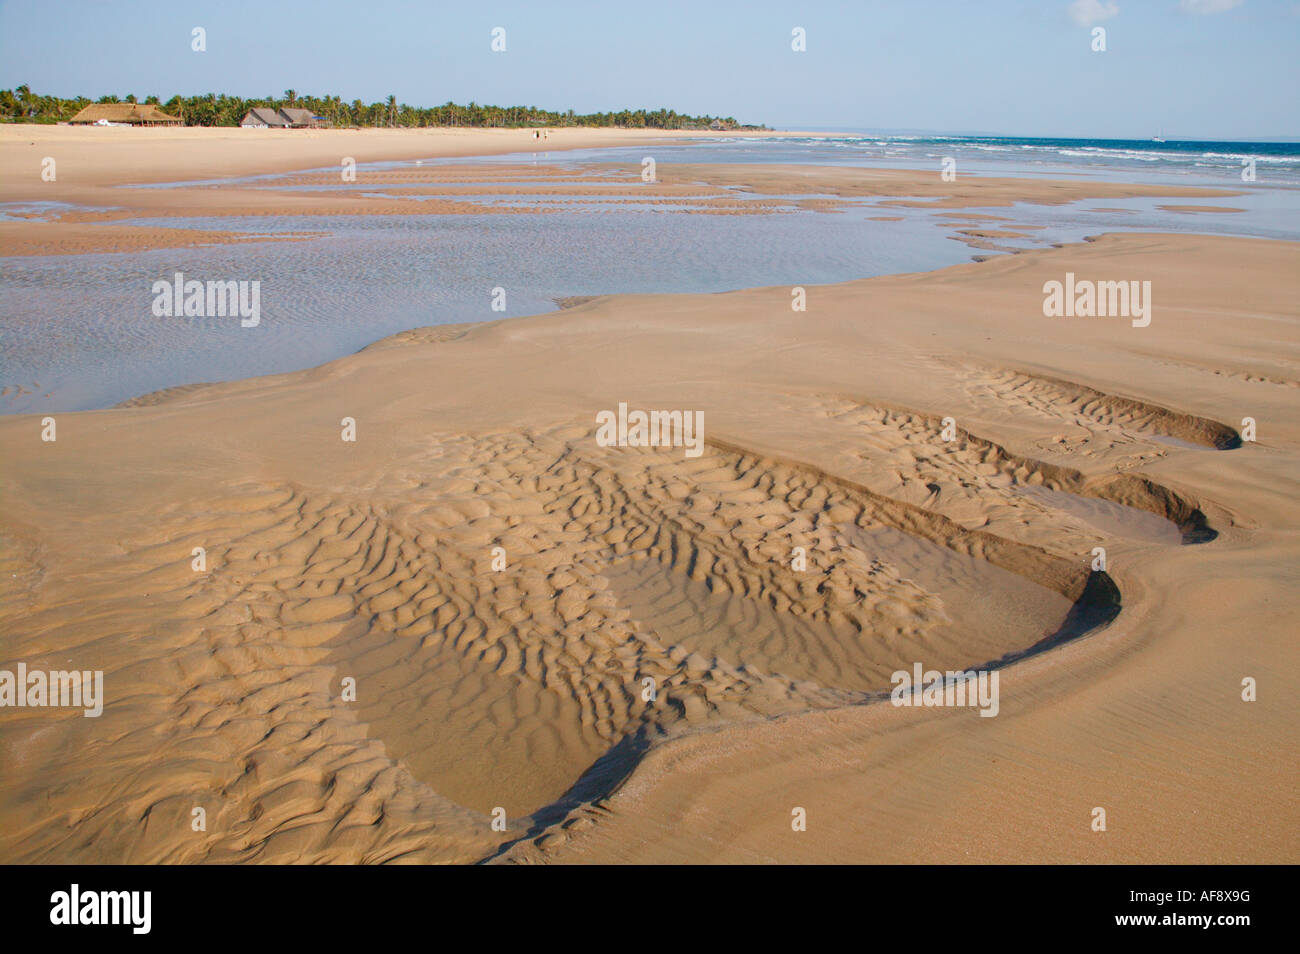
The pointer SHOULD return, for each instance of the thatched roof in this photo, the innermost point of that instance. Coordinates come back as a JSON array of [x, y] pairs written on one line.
[[134, 113], [299, 117], [283, 118], [263, 116]]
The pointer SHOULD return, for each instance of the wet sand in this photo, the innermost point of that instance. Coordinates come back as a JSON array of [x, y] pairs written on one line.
[[515, 678]]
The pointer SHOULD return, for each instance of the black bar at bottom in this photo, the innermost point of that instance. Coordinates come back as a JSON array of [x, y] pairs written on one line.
[[335, 904]]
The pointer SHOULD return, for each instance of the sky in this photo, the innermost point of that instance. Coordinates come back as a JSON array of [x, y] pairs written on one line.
[[1211, 69]]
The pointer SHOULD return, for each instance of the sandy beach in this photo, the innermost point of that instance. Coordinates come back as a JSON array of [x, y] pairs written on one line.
[[124, 156], [614, 648]]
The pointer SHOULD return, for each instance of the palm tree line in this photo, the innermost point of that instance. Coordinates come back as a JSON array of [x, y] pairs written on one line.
[[213, 109]]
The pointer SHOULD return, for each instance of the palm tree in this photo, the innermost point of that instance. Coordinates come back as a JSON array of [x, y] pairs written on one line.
[[291, 96], [392, 109]]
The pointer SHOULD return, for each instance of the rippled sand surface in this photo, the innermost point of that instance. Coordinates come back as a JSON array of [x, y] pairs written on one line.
[[615, 647]]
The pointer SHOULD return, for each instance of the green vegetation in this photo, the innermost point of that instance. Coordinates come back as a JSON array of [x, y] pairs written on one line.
[[22, 105]]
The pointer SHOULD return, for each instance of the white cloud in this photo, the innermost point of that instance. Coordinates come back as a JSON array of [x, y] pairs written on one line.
[[1087, 12], [1208, 6]]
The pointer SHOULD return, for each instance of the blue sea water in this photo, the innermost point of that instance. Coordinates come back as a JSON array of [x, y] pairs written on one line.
[[78, 331], [1199, 162], [1207, 162]]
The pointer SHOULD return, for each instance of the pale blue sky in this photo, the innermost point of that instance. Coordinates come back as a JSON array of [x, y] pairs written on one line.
[[1017, 67]]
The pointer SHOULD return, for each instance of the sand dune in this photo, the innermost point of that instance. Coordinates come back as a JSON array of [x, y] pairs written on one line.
[[524, 687]]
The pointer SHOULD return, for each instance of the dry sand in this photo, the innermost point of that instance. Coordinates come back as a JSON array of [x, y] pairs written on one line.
[[522, 688], [89, 156]]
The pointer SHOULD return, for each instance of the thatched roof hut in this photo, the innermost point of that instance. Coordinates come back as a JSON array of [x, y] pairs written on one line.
[[304, 117], [286, 117], [134, 114]]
